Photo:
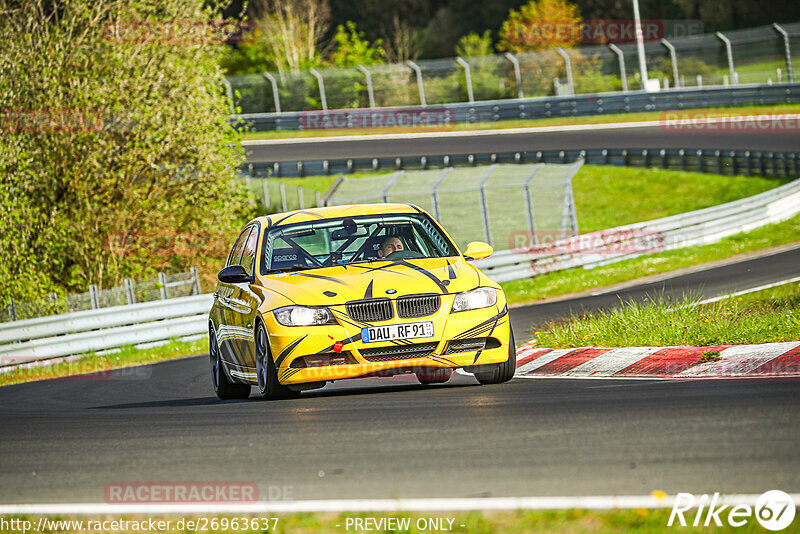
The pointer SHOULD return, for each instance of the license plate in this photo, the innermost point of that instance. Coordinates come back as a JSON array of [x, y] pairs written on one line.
[[390, 332]]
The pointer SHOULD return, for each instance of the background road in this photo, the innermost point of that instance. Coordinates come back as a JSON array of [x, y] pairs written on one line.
[[64, 440], [642, 137]]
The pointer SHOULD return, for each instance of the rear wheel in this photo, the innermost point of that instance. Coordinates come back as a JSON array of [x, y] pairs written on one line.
[[437, 375], [502, 372], [268, 386], [223, 387]]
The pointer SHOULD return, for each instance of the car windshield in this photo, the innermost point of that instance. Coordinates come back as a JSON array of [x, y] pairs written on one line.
[[345, 240]]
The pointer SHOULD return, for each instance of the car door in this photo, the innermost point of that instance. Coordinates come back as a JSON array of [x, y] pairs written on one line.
[[222, 310], [245, 304]]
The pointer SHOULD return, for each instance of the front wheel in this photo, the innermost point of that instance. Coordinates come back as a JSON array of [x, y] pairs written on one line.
[[502, 372], [223, 387], [268, 386]]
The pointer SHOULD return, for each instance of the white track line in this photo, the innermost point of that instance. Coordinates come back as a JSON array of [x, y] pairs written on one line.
[[372, 505], [511, 131], [751, 290]]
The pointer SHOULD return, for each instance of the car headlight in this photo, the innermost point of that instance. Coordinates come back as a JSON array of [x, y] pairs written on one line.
[[304, 316], [482, 297]]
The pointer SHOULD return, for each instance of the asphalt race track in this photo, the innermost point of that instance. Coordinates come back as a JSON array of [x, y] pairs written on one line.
[[642, 137], [65, 440]]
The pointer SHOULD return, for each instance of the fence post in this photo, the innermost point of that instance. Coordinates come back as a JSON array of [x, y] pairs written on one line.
[[93, 297], [129, 292], [517, 76], [435, 191], [787, 50], [195, 280], [729, 52], [393, 180], [275, 96], [468, 76], [321, 84], [319, 199], [700, 162], [370, 90], [529, 205], [674, 60], [332, 190], [420, 86], [484, 205], [300, 198], [568, 65], [12, 310], [283, 197], [265, 189], [162, 281], [622, 74]]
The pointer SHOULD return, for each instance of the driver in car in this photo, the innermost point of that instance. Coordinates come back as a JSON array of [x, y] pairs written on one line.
[[390, 245]]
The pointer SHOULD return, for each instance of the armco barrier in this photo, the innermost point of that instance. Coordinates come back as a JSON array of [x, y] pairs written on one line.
[[616, 244], [103, 328], [547, 107], [734, 162]]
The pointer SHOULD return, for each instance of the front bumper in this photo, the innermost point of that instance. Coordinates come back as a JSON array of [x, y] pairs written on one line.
[[291, 343]]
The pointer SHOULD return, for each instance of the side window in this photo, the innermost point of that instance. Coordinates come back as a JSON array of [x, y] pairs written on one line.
[[249, 251], [236, 251]]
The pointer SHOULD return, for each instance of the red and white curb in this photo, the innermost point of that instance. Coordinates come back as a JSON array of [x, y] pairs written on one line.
[[767, 359]]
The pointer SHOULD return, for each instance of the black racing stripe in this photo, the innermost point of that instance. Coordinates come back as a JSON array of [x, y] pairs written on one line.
[[288, 350], [269, 222], [370, 269], [306, 212], [368, 292], [441, 359], [413, 206], [321, 277], [484, 325], [426, 273], [451, 273]]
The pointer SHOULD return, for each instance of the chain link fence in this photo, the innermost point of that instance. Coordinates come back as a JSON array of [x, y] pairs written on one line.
[[757, 55], [506, 205], [164, 286]]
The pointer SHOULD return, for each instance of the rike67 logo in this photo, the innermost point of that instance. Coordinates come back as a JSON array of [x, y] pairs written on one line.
[[774, 510]]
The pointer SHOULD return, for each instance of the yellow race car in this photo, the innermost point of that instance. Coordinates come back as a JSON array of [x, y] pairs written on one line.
[[325, 294]]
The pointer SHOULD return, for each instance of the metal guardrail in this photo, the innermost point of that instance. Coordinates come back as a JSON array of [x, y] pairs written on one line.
[[735, 162], [543, 107], [104, 328], [624, 242]]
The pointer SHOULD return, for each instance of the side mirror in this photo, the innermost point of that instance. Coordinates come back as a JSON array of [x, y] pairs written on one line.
[[477, 250], [234, 274]]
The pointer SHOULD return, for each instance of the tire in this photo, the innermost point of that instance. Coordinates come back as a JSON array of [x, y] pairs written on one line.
[[502, 372], [268, 386], [223, 387], [434, 376]]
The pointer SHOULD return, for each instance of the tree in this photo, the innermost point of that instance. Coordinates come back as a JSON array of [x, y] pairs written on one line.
[[351, 49], [115, 141], [540, 24]]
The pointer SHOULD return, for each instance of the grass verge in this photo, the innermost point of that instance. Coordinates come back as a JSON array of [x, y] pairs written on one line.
[[762, 317], [579, 279], [93, 366], [562, 521], [532, 123]]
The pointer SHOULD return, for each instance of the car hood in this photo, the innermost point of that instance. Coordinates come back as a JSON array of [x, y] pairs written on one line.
[[387, 278]]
